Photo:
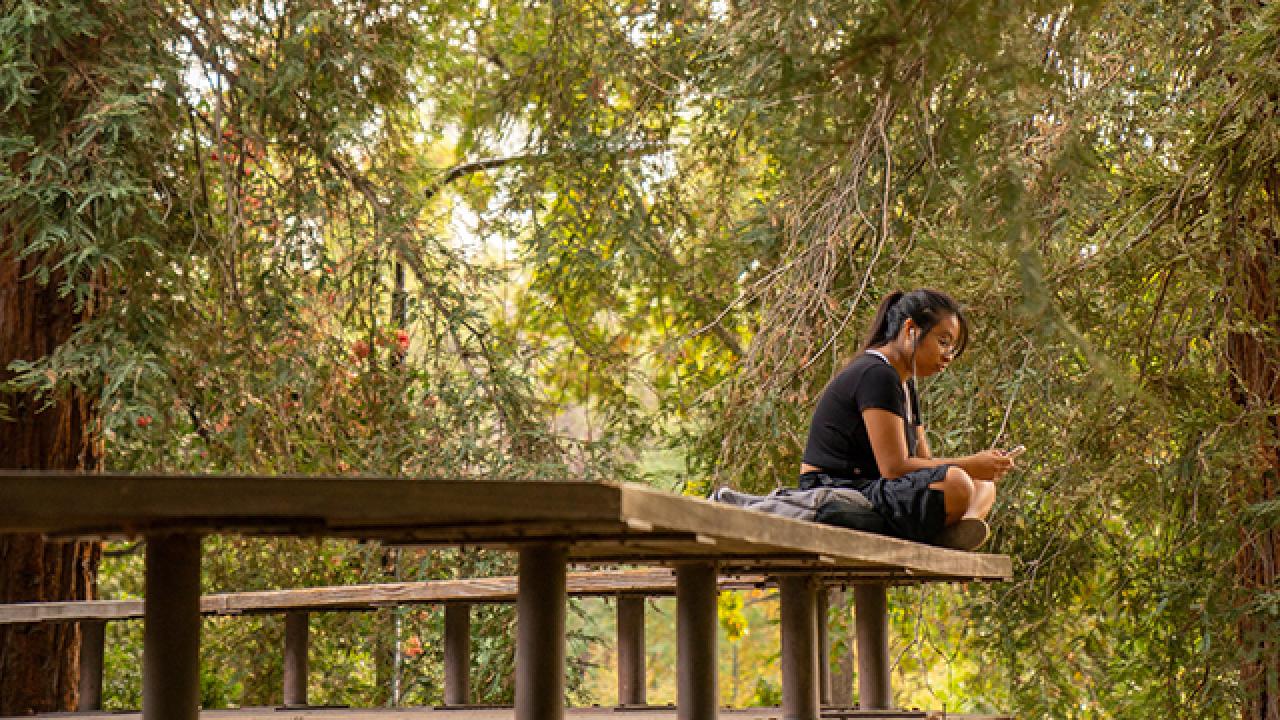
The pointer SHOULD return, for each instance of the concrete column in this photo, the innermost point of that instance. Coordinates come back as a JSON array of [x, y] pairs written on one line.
[[296, 646], [457, 654], [872, 622], [697, 624], [799, 647], [823, 617], [540, 641], [171, 636], [93, 641], [631, 674]]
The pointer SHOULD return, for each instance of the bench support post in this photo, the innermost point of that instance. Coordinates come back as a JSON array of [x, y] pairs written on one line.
[[457, 653], [872, 620], [296, 641], [631, 672], [799, 647], [171, 635], [540, 641], [697, 686], [93, 639], [823, 617]]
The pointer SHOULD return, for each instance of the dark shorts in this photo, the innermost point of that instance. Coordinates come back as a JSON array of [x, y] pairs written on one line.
[[910, 508]]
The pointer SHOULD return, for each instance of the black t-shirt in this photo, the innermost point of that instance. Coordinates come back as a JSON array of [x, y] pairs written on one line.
[[838, 441]]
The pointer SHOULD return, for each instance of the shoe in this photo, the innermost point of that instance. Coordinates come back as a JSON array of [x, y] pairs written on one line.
[[968, 534]]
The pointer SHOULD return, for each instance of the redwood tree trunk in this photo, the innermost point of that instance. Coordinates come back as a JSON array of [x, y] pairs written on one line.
[[39, 664], [1254, 360]]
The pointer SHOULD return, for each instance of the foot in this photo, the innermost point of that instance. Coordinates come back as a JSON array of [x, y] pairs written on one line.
[[968, 534]]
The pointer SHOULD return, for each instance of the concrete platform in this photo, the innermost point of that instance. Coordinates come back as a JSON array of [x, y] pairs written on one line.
[[549, 524], [597, 523]]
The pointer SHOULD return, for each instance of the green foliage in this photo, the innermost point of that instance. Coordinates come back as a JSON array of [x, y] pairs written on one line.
[[635, 242], [765, 694]]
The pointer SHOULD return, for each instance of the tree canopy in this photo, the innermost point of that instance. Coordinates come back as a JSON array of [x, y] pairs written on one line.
[[634, 240]]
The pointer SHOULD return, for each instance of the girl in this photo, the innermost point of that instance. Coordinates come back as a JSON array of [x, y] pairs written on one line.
[[867, 434]]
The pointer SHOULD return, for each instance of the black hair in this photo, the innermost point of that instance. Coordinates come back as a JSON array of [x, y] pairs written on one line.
[[925, 307]]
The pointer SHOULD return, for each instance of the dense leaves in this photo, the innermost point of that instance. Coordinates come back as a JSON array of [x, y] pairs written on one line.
[[634, 240]]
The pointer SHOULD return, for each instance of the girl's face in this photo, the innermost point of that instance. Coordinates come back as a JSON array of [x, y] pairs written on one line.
[[935, 349]]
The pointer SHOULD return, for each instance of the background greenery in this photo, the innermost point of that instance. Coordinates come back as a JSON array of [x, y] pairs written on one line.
[[633, 240]]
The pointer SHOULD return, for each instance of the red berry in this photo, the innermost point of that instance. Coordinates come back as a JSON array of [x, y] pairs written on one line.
[[143, 421], [360, 348], [413, 647], [402, 340]]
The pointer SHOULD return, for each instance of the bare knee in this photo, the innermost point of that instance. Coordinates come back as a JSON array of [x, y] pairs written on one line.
[[958, 476], [957, 492], [984, 489], [984, 496]]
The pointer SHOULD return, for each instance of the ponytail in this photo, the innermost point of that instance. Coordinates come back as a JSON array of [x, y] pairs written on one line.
[[925, 307], [880, 330]]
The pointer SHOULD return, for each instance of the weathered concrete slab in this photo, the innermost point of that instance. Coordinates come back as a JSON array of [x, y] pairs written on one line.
[[603, 523], [643, 582]]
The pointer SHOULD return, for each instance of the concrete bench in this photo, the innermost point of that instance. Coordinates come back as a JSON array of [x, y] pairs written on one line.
[[629, 587], [547, 524]]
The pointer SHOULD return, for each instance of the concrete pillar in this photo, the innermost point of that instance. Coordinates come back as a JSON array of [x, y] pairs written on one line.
[[871, 610], [296, 646], [799, 647], [457, 654], [540, 641], [697, 624], [93, 641], [631, 672], [171, 636], [823, 617]]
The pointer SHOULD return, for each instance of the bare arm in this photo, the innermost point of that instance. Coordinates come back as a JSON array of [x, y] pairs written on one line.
[[922, 443], [889, 443]]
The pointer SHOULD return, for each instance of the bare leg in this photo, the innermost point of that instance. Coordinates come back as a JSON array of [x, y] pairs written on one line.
[[984, 495], [958, 491]]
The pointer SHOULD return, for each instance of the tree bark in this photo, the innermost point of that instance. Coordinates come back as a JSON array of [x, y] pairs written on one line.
[[39, 664], [1254, 361]]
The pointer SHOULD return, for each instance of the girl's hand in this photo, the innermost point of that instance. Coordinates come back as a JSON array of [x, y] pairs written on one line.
[[987, 465]]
